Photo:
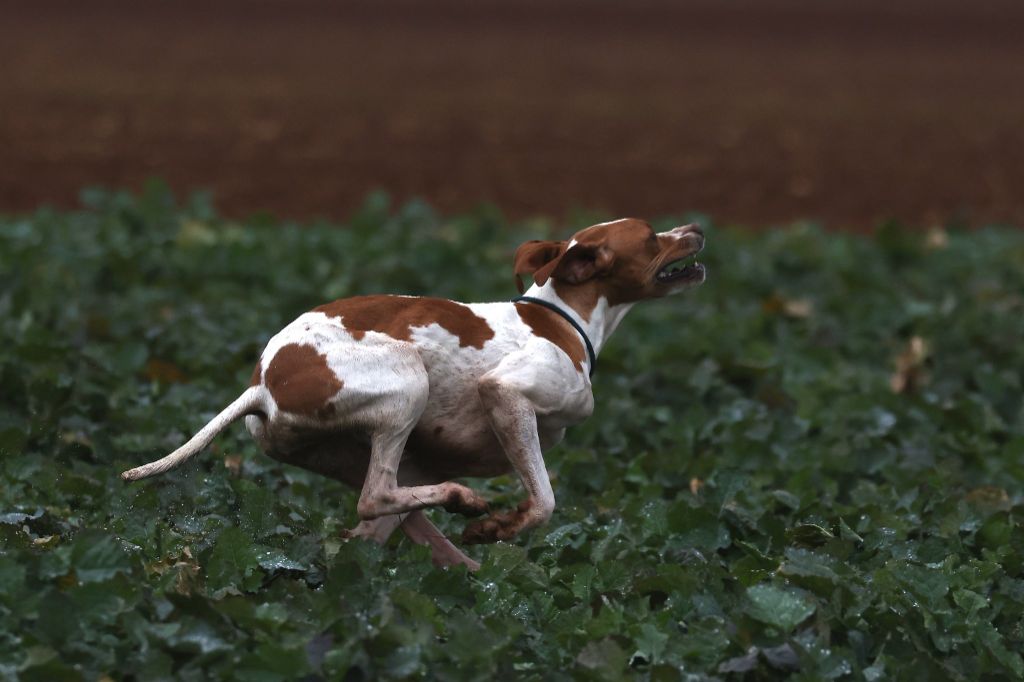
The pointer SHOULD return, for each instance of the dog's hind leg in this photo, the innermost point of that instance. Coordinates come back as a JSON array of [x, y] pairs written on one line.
[[384, 391], [418, 528], [381, 494], [378, 530]]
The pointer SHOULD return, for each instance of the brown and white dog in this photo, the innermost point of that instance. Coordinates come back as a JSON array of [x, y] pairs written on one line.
[[397, 395]]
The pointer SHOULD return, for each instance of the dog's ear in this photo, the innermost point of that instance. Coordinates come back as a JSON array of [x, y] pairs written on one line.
[[584, 261], [536, 258]]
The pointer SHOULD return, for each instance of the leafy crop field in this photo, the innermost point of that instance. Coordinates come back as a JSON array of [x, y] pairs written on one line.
[[810, 467]]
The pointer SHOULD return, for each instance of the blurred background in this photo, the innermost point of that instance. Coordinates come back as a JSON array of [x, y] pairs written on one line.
[[845, 112]]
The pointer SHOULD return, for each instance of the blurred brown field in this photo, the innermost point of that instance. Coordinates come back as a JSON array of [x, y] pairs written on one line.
[[759, 113]]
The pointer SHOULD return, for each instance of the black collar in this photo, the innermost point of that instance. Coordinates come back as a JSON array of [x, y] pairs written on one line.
[[568, 318]]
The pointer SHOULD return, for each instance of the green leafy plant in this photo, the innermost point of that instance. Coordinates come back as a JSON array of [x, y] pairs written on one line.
[[810, 467]]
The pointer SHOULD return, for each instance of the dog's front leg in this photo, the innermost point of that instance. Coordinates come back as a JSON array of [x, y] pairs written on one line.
[[514, 420]]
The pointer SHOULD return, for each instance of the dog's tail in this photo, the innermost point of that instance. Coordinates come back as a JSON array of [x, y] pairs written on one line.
[[250, 402]]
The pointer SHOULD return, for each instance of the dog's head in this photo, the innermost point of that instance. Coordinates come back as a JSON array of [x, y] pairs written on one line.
[[623, 261]]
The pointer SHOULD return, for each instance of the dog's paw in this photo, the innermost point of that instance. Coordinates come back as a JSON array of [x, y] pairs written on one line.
[[462, 500], [498, 526]]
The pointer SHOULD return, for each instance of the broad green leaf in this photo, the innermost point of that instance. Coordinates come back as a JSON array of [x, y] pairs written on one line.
[[233, 562], [98, 556], [784, 608]]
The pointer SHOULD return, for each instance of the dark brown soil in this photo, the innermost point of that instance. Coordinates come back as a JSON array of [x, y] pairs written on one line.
[[754, 112]]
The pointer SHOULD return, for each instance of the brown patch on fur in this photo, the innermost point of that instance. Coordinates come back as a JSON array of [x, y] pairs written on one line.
[[638, 255], [257, 374], [536, 258], [629, 276], [582, 298], [612, 260], [396, 316], [301, 382], [548, 325]]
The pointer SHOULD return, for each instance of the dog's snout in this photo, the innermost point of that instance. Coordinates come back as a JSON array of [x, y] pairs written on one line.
[[692, 233]]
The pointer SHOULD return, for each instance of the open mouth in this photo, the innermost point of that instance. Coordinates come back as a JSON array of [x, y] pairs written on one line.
[[681, 270]]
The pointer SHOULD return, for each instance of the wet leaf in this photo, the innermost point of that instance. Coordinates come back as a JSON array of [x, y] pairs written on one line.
[[783, 608], [233, 562]]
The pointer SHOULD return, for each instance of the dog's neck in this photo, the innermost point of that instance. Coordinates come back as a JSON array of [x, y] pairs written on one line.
[[596, 317]]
